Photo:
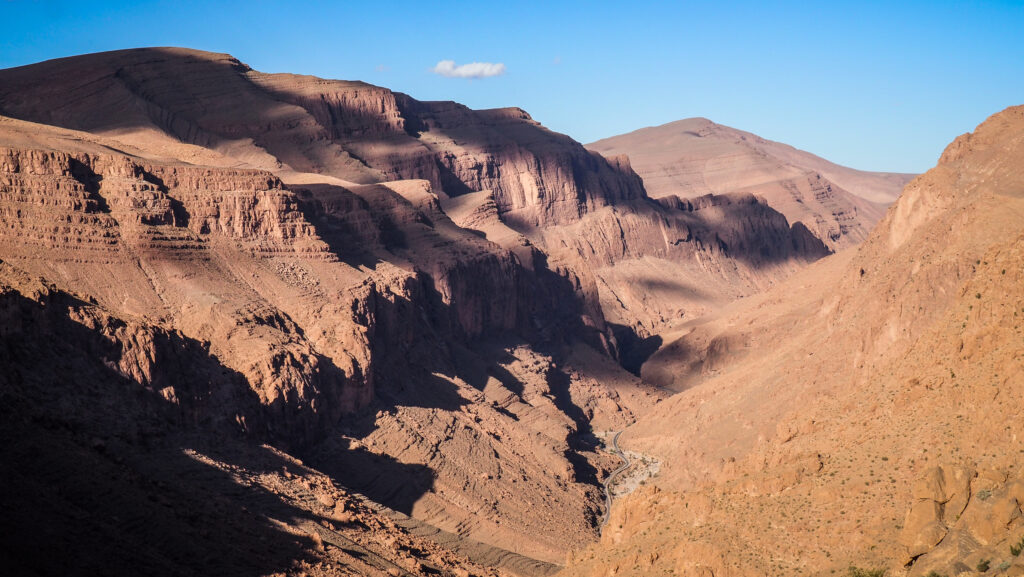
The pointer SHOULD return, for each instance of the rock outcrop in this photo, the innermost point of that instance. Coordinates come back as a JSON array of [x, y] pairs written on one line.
[[134, 455], [973, 524], [349, 130], [310, 132]]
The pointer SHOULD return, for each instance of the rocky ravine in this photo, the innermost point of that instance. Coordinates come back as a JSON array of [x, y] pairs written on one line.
[[420, 301], [330, 336], [132, 452], [864, 413]]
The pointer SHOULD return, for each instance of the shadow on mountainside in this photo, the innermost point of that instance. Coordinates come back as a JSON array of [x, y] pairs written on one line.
[[211, 101], [104, 476], [634, 350], [581, 439], [183, 95]]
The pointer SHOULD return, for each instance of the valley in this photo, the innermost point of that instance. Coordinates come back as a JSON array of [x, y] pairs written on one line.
[[276, 324]]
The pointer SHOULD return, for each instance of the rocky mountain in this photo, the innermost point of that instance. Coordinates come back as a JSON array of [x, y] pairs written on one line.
[[694, 157], [267, 323], [165, 99], [358, 328], [177, 105], [864, 413], [394, 305]]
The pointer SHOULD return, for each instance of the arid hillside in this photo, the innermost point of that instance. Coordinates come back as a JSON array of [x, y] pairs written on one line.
[[589, 214], [293, 234], [695, 156], [864, 413], [384, 335], [354, 327]]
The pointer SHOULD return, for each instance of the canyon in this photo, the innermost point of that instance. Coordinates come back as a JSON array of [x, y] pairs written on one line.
[[871, 421], [276, 324]]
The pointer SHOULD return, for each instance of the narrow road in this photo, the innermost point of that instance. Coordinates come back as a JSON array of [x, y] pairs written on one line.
[[607, 492]]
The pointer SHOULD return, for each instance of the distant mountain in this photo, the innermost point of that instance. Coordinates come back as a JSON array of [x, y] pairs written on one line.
[[695, 156]]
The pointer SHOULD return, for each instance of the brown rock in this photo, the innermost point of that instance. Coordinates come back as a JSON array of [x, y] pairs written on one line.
[[693, 157], [923, 527]]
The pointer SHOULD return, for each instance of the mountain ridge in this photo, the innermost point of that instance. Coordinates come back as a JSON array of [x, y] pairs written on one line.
[[696, 156]]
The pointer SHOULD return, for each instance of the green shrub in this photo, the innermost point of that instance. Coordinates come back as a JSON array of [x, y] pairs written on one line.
[[858, 572], [1016, 549], [984, 565], [934, 573]]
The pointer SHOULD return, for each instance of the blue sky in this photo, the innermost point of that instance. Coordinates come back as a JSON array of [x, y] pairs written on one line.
[[876, 86]]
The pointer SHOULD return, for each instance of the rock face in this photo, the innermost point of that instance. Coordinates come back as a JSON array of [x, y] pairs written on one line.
[[354, 325], [657, 265], [879, 378], [349, 130], [121, 232], [132, 457], [208, 108], [414, 297], [354, 132], [694, 157], [314, 342], [977, 522]]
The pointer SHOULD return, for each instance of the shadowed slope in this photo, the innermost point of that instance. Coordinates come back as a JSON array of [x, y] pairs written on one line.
[[212, 109], [799, 447]]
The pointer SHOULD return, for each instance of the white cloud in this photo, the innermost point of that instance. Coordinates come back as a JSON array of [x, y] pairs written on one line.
[[448, 69]]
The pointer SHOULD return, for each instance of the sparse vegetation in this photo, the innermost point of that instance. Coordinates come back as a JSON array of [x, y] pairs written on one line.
[[1016, 549], [934, 573], [984, 494], [1003, 566], [984, 565], [858, 572]]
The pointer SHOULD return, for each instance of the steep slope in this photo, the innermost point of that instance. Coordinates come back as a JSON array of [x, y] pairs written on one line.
[[204, 108], [169, 100], [298, 228], [695, 156], [348, 323], [130, 453], [823, 407]]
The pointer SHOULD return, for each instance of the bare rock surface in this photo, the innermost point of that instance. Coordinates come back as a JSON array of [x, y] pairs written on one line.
[[233, 259], [205, 108], [134, 455], [426, 304], [693, 157], [346, 319], [840, 418], [348, 130], [982, 527]]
